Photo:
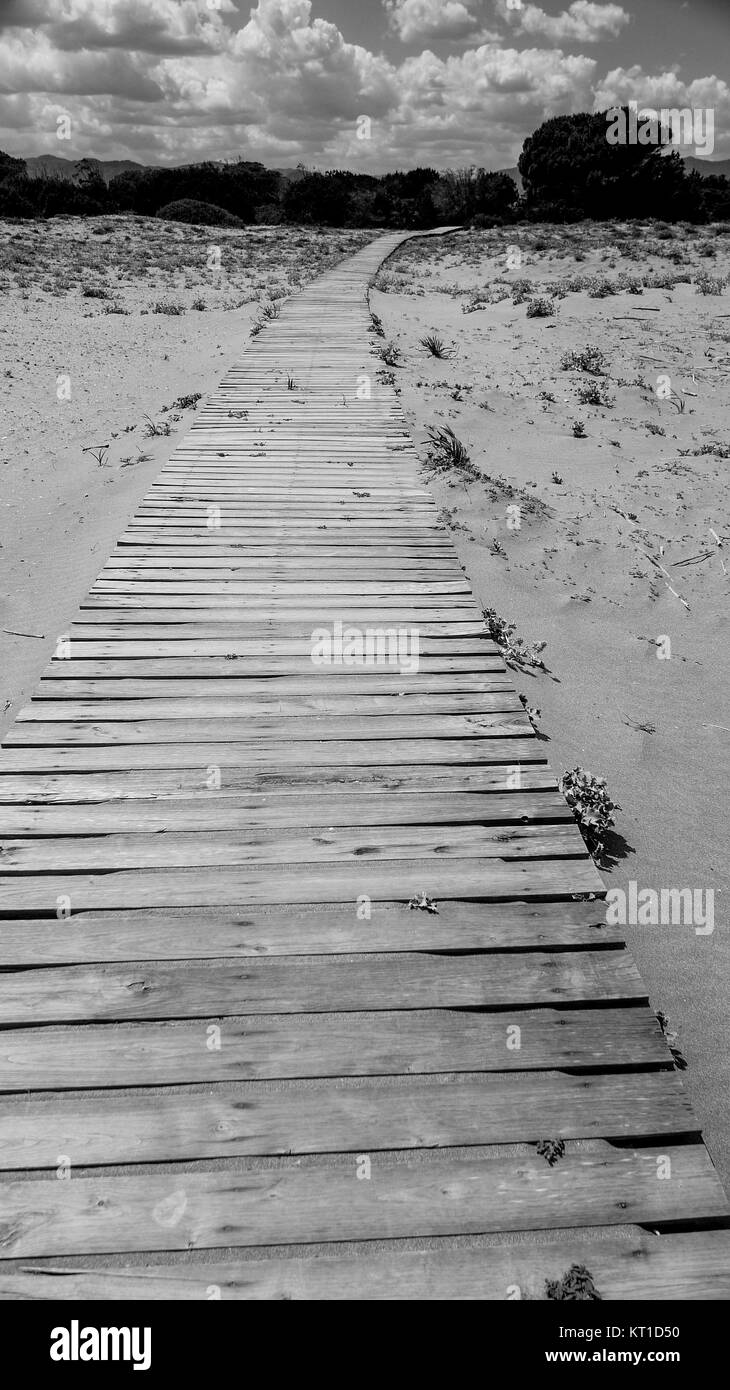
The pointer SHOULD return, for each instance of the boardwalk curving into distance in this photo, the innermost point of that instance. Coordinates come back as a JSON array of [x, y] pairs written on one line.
[[233, 1057]]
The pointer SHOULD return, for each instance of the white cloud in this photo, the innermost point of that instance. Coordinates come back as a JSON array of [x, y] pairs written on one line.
[[142, 26], [428, 19], [583, 21], [286, 85], [667, 90], [29, 62]]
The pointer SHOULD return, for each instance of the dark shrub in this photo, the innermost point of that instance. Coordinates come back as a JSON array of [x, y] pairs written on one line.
[[198, 214]]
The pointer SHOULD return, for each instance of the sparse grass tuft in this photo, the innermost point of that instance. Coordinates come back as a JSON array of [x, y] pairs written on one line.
[[436, 346], [447, 454]]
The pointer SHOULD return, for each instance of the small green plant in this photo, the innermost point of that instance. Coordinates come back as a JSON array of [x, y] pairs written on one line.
[[600, 288], [390, 355], [541, 308], [269, 309], [521, 290], [532, 712], [576, 1284], [377, 325], [291, 384], [708, 284], [514, 649], [198, 304], [588, 799], [579, 429], [595, 393], [96, 292], [166, 306], [187, 402], [556, 478], [422, 902], [446, 452], [551, 1150], [672, 1040], [631, 284], [653, 428], [99, 452], [546, 396], [588, 359], [155, 428], [436, 346]]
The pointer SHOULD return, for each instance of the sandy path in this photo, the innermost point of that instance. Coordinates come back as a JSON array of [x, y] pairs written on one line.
[[575, 573]]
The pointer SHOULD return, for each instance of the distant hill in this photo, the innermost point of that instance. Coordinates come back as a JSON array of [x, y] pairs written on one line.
[[55, 166], [708, 166]]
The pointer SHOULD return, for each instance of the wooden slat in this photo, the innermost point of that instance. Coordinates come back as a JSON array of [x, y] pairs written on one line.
[[632, 1267], [381, 882], [318, 984], [324, 1201], [251, 1118], [276, 1046]]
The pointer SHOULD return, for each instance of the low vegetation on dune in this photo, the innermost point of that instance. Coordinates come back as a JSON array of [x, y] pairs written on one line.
[[140, 262]]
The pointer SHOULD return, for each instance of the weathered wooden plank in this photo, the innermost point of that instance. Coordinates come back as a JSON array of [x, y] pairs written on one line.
[[182, 668], [264, 752], [98, 730], [316, 984], [244, 705], [204, 934], [381, 882], [332, 1115], [636, 1266], [323, 1201], [256, 812], [161, 784], [328, 845], [276, 1046], [362, 684]]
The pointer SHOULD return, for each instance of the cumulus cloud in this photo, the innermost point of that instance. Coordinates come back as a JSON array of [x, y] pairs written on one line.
[[665, 91], [29, 62], [428, 19], [583, 21], [172, 81], [141, 26]]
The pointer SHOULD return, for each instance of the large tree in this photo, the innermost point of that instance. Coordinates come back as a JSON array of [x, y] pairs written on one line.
[[570, 169]]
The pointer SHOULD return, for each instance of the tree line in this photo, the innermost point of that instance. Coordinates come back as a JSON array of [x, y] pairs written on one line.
[[569, 171]]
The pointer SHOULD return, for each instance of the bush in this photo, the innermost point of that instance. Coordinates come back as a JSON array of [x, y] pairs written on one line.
[[540, 308], [198, 214], [594, 393], [708, 284], [588, 359]]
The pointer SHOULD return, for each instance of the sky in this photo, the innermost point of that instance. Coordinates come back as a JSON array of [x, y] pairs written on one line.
[[372, 85]]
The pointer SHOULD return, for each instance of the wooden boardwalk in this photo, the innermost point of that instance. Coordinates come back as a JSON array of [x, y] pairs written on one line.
[[233, 1058]]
